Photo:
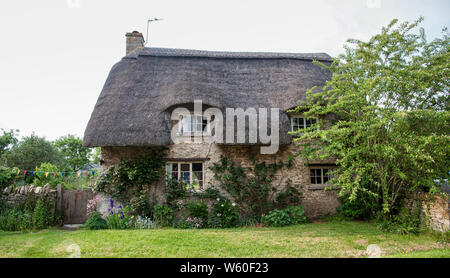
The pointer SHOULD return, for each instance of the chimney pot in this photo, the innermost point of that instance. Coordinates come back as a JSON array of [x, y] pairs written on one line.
[[135, 40]]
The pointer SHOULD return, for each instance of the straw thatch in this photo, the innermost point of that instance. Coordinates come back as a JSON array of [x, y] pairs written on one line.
[[134, 106]]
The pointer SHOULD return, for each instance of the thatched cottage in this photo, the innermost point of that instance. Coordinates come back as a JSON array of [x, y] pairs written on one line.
[[134, 110]]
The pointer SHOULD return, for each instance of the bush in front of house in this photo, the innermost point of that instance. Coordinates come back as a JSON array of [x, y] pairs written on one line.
[[284, 217], [224, 214], [163, 215], [95, 222], [190, 223], [144, 222]]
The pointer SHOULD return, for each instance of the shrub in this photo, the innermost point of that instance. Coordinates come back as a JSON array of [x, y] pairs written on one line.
[[224, 215], [32, 214], [43, 214], [6, 177], [143, 222], [284, 217], [363, 207], [408, 221], [95, 222], [190, 223], [251, 188], [163, 215], [198, 210]]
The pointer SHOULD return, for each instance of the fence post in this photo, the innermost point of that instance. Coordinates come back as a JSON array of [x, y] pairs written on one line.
[[59, 197]]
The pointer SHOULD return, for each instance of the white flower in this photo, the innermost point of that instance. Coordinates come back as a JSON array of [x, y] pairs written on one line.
[[233, 204], [218, 199], [219, 214], [222, 205]]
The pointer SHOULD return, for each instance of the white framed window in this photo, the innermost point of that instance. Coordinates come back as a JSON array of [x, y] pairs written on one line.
[[190, 124], [190, 172], [320, 175], [299, 122]]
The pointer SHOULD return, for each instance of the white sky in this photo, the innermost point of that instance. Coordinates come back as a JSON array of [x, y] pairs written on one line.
[[55, 55]]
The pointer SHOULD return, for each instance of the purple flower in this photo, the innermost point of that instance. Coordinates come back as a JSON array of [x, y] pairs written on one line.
[[111, 202]]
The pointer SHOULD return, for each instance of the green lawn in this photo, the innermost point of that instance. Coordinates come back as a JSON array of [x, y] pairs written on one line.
[[331, 239]]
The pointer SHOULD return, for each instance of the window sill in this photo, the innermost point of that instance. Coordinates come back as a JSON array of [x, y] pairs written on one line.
[[322, 187]]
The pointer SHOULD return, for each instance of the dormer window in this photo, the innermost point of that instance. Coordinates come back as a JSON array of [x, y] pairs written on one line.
[[193, 124], [300, 122]]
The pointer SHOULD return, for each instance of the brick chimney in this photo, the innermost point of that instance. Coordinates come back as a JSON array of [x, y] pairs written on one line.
[[134, 40]]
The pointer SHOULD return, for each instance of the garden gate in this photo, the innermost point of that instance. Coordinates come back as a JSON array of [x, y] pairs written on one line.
[[72, 203]]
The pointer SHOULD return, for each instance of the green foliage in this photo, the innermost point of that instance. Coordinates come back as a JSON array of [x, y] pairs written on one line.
[[163, 215], [119, 218], [191, 223], [224, 215], [30, 152], [408, 221], [7, 139], [285, 217], [198, 209], [7, 177], [32, 214], [143, 222], [95, 222], [42, 179], [363, 207], [73, 151], [175, 190], [384, 115], [128, 181], [253, 192], [43, 214]]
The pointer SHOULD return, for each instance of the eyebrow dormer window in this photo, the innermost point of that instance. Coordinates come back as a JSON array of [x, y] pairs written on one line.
[[193, 124], [299, 122]]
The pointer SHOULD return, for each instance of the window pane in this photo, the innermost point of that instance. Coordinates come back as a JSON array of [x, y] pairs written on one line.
[[185, 167], [186, 177], [301, 123], [197, 166]]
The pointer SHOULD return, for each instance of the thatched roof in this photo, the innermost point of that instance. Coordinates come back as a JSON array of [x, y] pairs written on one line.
[[140, 91]]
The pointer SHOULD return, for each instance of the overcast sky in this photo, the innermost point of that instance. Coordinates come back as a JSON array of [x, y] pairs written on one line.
[[55, 55]]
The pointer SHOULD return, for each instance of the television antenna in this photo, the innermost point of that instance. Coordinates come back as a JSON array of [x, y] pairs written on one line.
[[148, 24]]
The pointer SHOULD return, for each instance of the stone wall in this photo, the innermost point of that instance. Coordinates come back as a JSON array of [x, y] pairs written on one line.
[[16, 195], [437, 211], [317, 202]]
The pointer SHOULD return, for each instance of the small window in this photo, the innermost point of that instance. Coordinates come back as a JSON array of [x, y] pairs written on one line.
[[320, 175], [189, 172], [298, 122], [190, 124]]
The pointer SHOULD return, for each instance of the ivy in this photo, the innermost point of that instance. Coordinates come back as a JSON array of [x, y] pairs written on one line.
[[252, 188], [128, 181]]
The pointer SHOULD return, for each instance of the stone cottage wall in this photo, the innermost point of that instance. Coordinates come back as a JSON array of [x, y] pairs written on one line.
[[437, 212], [317, 202]]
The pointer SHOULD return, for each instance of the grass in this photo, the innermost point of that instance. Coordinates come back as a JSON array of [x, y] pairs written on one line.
[[330, 239]]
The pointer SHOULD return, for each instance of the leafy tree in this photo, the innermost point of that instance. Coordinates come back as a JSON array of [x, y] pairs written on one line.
[[31, 152], [384, 115], [73, 151], [41, 178], [8, 139]]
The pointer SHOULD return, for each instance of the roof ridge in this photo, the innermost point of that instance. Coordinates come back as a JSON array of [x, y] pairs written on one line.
[[180, 52]]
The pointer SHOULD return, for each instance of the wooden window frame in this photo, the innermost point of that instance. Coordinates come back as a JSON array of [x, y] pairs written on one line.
[[191, 179], [193, 123]]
